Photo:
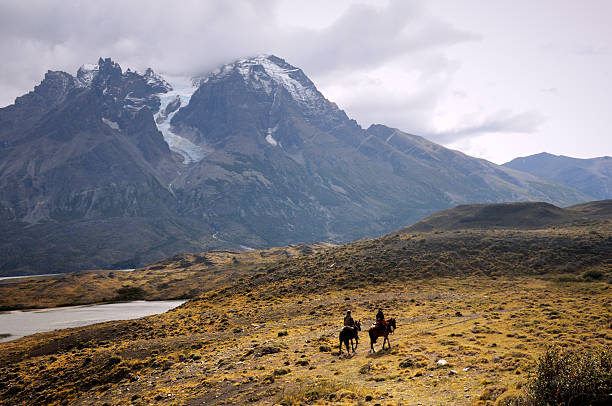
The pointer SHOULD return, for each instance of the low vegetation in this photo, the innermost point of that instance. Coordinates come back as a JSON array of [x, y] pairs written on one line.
[[477, 313], [571, 377]]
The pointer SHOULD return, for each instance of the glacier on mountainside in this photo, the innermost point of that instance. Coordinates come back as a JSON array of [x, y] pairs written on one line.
[[182, 89]]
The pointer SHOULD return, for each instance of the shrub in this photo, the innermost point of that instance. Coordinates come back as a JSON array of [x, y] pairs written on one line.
[[319, 391], [130, 293], [593, 274], [407, 363], [281, 371], [510, 398], [492, 392], [571, 378]]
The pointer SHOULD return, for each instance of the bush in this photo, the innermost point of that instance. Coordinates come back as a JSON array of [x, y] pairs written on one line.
[[571, 378], [319, 391], [130, 293], [510, 398], [593, 274]]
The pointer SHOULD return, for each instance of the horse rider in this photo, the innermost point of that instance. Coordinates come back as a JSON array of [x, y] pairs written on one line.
[[380, 318], [348, 319]]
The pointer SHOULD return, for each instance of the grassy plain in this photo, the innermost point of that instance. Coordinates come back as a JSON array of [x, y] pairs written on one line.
[[488, 302]]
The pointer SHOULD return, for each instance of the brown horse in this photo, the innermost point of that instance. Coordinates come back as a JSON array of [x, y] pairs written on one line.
[[348, 334], [381, 330]]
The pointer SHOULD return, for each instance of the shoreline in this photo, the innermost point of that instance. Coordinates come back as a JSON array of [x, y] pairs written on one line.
[[2, 278]]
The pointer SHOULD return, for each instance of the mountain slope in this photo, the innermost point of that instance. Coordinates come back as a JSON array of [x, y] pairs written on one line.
[[591, 176], [112, 168], [269, 132], [83, 178]]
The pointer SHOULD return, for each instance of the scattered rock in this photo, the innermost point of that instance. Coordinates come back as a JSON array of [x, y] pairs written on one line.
[[368, 398], [452, 372], [458, 314], [466, 369], [442, 362]]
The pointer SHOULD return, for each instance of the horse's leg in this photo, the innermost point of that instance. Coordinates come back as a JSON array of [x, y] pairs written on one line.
[[340, 348], [346, 343]]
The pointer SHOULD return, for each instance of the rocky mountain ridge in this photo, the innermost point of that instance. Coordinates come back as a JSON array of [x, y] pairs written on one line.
[[118, 169]]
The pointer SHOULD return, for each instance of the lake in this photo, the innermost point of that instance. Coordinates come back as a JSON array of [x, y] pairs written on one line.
[[21, 323]]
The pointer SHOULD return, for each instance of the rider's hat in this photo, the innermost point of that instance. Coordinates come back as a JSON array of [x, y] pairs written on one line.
[[348, 311]]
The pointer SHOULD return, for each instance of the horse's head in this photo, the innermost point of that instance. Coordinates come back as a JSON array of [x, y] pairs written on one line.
[[358, 325], [392, 324]]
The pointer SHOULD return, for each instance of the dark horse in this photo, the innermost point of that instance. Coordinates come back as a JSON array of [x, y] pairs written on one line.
[[348, 334], [381, 330]]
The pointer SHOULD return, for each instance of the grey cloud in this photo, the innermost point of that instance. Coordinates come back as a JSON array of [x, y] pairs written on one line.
[[191, 37], [502, 122], [366, 37]]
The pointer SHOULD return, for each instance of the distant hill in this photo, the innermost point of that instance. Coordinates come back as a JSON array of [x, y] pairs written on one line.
[[511, 215], [591, 176]]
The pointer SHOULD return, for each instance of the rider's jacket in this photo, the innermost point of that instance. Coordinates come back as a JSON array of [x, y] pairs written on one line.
[[348, 321]]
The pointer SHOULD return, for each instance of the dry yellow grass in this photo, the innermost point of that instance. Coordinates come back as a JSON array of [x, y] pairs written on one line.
[[268, 334], [229, 350]]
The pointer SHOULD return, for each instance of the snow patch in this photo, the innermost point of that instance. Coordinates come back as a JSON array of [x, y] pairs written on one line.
[[271, 139], [110, 123], [182, 89]]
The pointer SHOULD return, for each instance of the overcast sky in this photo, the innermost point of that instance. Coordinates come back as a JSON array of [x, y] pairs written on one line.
[[494, 79]]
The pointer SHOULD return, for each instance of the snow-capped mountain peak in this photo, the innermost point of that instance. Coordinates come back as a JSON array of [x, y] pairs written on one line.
[[268, 72], [86, 74]]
